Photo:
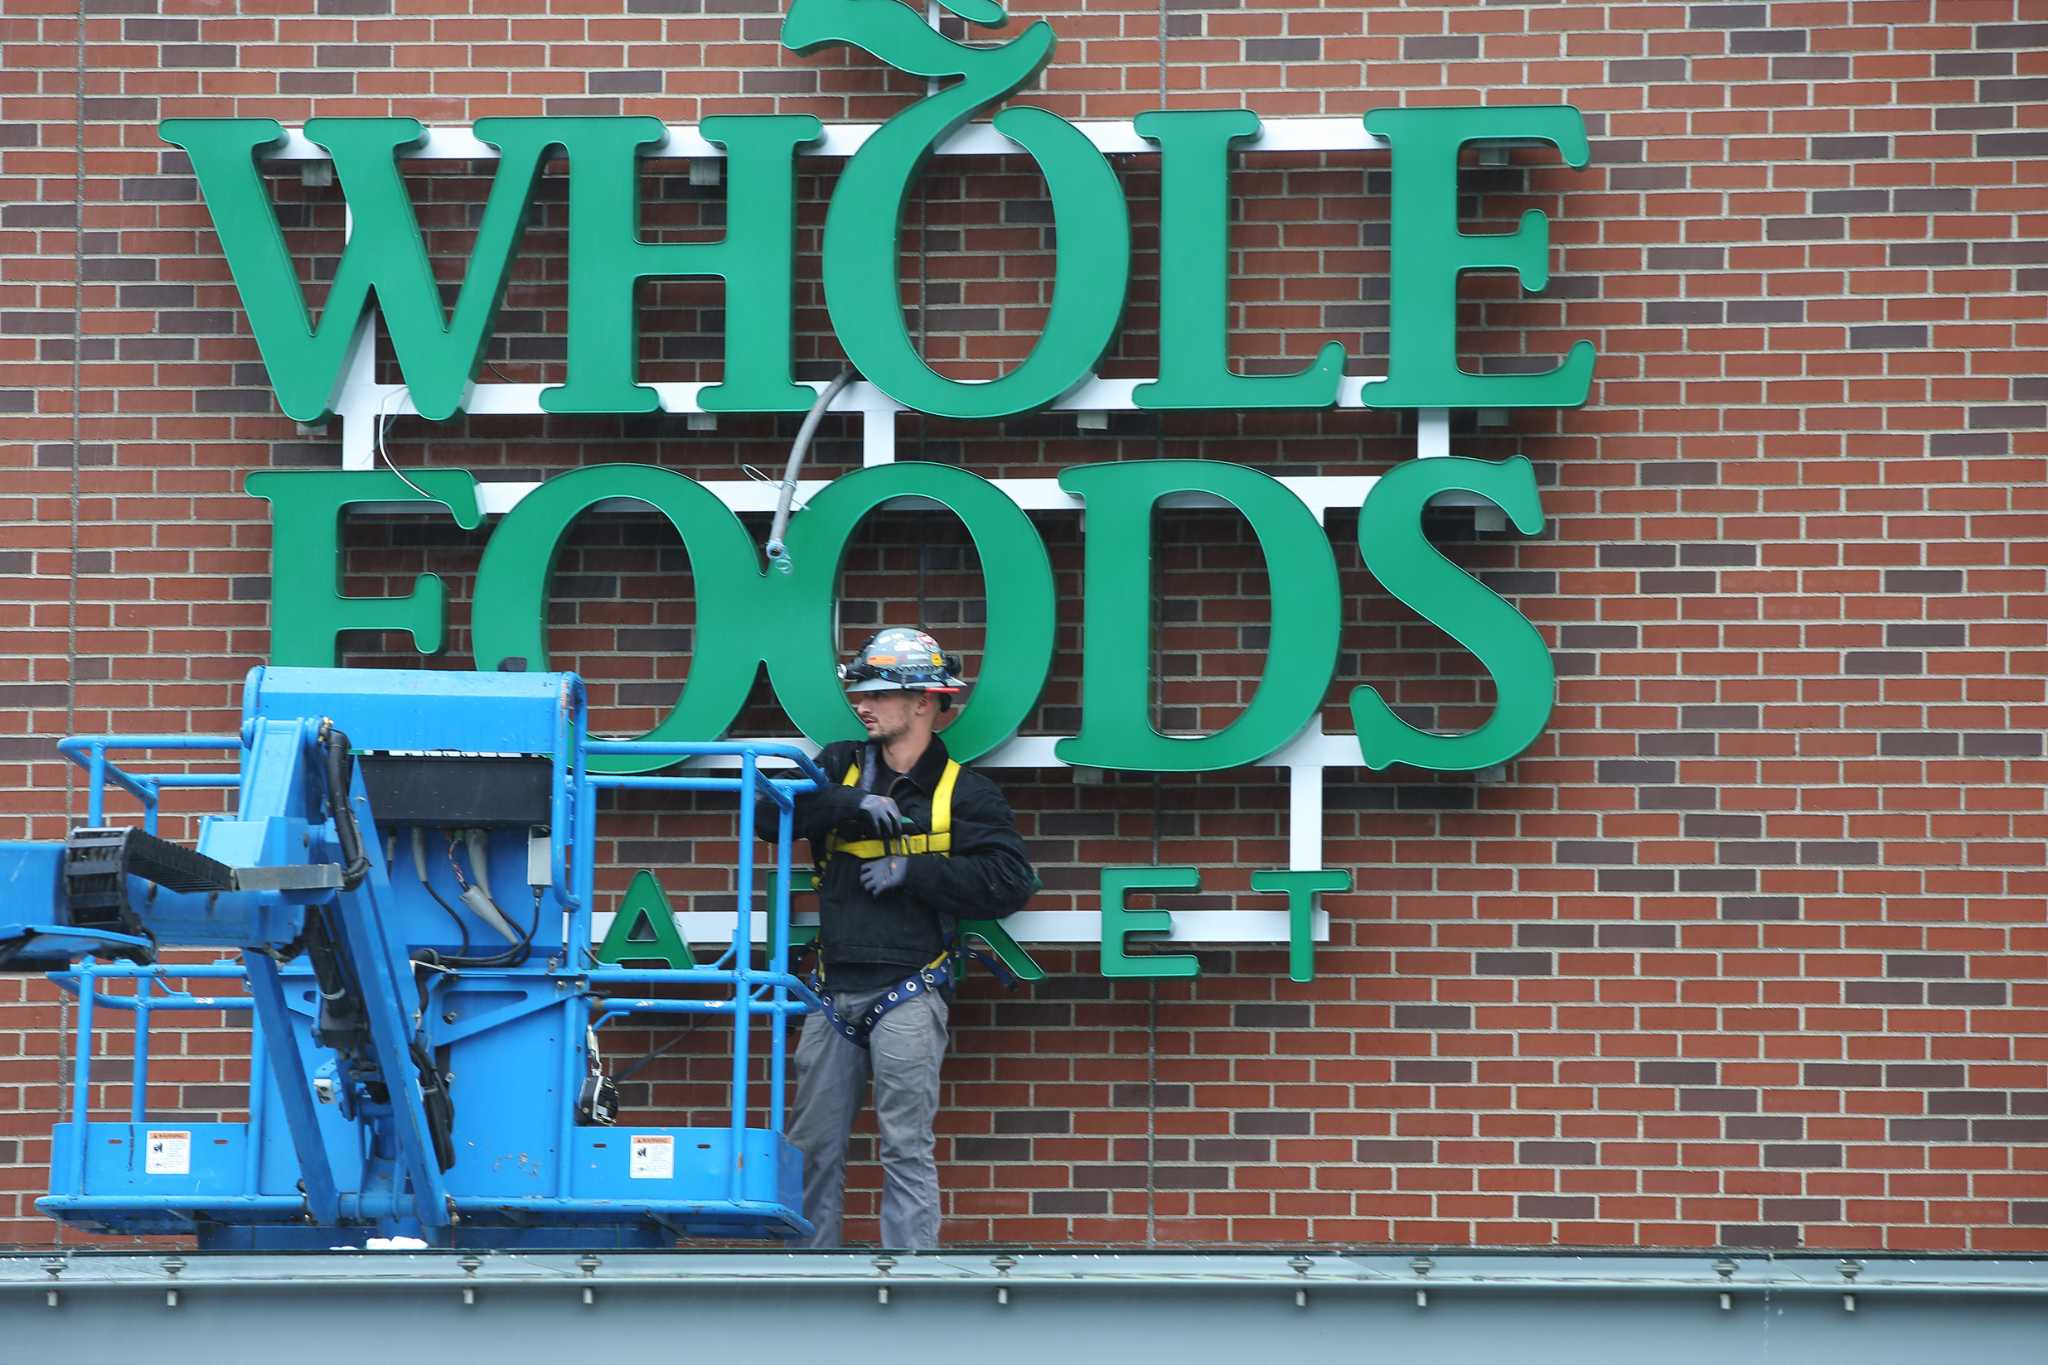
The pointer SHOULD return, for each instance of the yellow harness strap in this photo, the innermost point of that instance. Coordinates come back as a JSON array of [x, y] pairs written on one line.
[[939, 840]]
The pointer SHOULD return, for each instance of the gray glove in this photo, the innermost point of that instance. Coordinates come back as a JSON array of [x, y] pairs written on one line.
[[884, 874], [882, 816]]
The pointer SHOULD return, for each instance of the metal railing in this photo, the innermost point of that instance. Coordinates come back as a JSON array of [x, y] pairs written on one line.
[[773, 991]]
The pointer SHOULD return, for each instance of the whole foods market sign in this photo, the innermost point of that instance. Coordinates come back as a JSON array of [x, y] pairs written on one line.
[[785, 621]]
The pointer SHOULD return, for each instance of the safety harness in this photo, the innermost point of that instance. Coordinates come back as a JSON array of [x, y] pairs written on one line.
[[939, 840], [935, 975]]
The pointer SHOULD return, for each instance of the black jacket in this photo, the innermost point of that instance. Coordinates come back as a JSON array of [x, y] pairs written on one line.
[[987, 876]]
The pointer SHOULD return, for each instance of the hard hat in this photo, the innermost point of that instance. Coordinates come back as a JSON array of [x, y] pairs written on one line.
[[902, 660]]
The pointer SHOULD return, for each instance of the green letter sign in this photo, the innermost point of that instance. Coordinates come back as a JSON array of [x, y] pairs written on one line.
[[1301, 889], [863, 288], [644, 930], [746, 617], [512, 592], [1016, 576], [607, 261], [1430, 253], [1416, 573], [384, 252], [307, 610], [1116, 684], [438, 354], [1118, 921], [1194, 291]]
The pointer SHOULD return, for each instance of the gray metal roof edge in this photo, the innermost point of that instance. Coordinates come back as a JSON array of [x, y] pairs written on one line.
[[1065, 1271]]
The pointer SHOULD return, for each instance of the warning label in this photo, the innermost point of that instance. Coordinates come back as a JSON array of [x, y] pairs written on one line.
[[167, 1151], [653, 1157]]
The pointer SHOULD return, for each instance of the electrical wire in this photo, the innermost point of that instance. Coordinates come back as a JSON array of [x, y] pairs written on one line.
[[520, 951], [777, 552], [383, 422], [461, 924], [453, 865], [682, 1036], [512, 956]]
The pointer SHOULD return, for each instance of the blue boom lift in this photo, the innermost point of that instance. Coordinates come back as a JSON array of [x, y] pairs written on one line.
[[408, 878]]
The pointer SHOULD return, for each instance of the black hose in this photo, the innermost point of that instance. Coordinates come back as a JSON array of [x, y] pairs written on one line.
[[512, 956], [325, 954], [355, 861], [461, 924], [437, 1104]]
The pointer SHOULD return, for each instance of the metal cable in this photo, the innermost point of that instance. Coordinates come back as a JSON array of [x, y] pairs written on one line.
[[785, 502], [64, 1055]]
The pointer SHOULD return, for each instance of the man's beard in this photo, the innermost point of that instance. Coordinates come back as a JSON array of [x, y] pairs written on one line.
[[885, 735]]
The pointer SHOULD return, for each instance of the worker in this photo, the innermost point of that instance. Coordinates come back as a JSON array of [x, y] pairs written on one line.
[[907, 843]]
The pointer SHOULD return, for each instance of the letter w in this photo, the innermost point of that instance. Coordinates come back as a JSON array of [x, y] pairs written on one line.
[[385, 253]]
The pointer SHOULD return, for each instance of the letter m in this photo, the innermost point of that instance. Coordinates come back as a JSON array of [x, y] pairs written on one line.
[[385, 254]]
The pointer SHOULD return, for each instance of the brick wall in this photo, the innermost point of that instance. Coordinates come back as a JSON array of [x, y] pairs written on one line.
[[1748, 950]]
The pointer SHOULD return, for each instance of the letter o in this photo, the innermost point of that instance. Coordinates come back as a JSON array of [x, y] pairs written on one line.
[[510, 613], [1016, 575]]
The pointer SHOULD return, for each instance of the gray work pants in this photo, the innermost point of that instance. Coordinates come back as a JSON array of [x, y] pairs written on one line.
[[832, 1073]]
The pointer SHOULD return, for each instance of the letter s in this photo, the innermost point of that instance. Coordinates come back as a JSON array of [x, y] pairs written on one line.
[[1416, 573]]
